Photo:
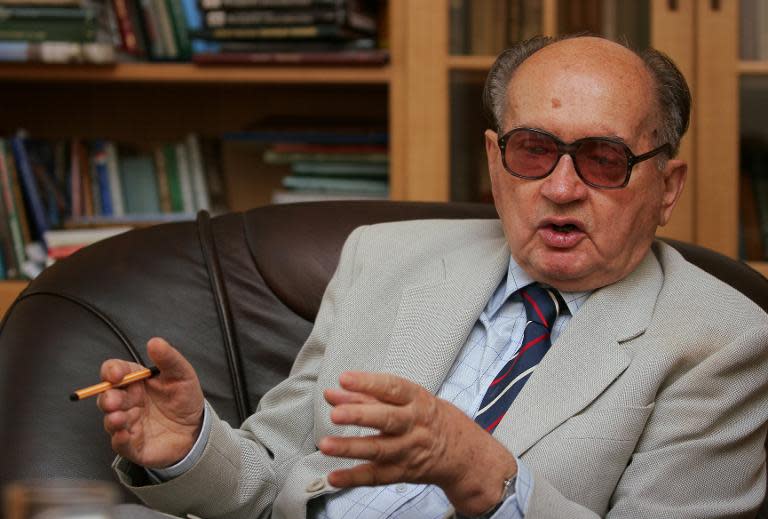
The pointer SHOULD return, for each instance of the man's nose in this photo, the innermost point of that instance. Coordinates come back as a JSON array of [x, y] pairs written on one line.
[[564, 185]]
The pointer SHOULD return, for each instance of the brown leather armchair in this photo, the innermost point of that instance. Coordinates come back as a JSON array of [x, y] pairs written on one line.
[[237, 294]]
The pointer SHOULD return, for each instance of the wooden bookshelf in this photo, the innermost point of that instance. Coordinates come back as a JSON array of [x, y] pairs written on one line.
[[753, 68], [185, 73], [8, 292], [471, 63]]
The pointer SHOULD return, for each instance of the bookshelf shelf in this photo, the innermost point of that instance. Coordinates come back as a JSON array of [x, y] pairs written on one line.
[[754, 68], [8, 292], [190, 73], [470, 63]]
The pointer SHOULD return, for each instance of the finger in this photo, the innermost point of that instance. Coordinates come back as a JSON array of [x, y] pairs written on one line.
[[336, 397], [115, 421], [383, 386], [169, 361], [381, 449], [389, 419], [366, 474], [113, 370]]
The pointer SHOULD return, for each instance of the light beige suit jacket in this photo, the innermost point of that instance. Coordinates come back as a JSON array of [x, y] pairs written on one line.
[[651, 403]]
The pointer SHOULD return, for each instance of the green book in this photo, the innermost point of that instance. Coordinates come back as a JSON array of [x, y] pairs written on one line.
[[8, 189], [174, 181], [34, 30], [341, 169], [137, 173], [345, 185], [179, 28]]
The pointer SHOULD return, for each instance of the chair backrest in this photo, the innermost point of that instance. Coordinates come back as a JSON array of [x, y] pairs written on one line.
[[237, 294]]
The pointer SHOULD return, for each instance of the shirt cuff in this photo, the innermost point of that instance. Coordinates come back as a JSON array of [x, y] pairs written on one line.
[[516, 505], [188, 461]]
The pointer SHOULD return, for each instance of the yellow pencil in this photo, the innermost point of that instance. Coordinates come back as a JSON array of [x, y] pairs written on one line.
[[103, 386]]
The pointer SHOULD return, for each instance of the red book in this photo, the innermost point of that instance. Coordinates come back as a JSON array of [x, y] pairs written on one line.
[[125, 25]]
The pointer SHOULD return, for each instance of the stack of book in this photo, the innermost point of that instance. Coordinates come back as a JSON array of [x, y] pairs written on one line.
[[323, 162], [318, 32], [54, 31], [51, 184]]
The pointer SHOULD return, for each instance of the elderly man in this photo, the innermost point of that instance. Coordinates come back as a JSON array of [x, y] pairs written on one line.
[[558, 363]]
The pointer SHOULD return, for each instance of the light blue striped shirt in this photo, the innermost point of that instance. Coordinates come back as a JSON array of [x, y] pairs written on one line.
[[493, 341]]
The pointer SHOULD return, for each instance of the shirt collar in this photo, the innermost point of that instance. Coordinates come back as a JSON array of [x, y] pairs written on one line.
[[518, 278]]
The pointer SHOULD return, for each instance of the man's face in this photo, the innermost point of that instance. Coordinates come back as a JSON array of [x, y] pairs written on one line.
[[561, 231]]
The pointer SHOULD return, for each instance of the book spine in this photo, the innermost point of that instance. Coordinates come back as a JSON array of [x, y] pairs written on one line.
[[102, 178], [11, 266], [199, 186], [29, 187], [163, 190], [241, 4], [125, 25], [8, 189], [194, 21], [185, 178], [174, 183], [180, 30], [151, 29], [39, 33], [115, 185], [165, 29]]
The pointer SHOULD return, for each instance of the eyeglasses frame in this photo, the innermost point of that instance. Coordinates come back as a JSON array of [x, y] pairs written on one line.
[[570, 148]]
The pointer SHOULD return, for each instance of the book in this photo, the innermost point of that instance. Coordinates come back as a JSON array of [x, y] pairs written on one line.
[[343, 16], [239, 4], [18, 196], [174, 178], [194, 22], [197, 169], [272, 156], [12, 208], [125, 23], [341, 169], [185, 178], [139, 183], [291, 197], [342, 58], [61, 243], [102, 178], [56, 52], [278, 32], [161, 174], [356, 185], [32, 198], [8, 267], [165, 30], [51, 29], [179, 29], [115, 185]]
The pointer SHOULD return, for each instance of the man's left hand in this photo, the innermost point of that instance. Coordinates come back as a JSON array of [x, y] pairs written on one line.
[[422, 439]]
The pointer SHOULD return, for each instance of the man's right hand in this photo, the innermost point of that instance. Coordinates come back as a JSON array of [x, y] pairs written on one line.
[[153, 423]]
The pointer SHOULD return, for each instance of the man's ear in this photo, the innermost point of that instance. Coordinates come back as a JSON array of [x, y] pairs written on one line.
[[674, 175], [492, 149]]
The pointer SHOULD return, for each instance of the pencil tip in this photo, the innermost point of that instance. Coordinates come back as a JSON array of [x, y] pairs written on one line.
[[73, 397]]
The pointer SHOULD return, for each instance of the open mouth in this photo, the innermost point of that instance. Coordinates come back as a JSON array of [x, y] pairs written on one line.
[[564, 228]]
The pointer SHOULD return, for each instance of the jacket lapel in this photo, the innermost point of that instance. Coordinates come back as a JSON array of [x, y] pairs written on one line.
[[585, 359], [435, 317]]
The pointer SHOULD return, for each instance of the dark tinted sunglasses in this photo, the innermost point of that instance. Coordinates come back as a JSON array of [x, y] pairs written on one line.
[[600, 162]]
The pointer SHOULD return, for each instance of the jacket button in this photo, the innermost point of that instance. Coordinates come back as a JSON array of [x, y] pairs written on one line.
[[315, 485]]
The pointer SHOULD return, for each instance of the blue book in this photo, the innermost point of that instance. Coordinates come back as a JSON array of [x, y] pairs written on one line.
[[102, 177], [29, 189], [194, 20]]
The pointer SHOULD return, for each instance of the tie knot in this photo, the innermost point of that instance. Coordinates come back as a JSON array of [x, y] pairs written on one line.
[[541, 304]]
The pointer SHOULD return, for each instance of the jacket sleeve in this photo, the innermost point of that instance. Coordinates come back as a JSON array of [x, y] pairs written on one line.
[[242, 470]]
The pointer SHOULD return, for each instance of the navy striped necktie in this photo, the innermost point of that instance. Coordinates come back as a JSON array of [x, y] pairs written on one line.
[[541, 309]]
